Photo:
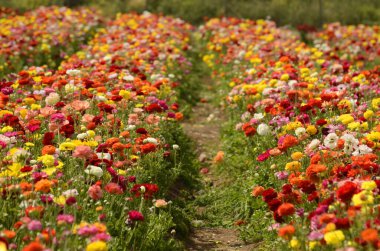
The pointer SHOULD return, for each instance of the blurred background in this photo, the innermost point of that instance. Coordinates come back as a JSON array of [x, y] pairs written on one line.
[[284, 12]]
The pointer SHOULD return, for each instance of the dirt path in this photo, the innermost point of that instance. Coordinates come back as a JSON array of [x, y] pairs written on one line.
[[204, 127]]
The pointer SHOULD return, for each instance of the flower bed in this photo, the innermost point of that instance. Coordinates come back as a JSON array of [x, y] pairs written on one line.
[[307, 130], [94, 151]]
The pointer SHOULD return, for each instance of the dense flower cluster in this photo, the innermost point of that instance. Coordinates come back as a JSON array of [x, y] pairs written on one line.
[[87, 146], [312, 114], [43, 36]]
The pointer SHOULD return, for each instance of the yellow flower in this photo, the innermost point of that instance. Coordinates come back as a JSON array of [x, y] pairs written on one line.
[[334, 238], [313, 244], [295, 244], [47, 160], [67, 146], [297, 155], [376, 103], [7, 129], [3, 112], [90, 133], [363, 198], [293, 166], [346, 118], [368, 114], [369, 185], [353, 125], [311, 129], [29, 101], [125, 94], [285, 77], [35, 107]]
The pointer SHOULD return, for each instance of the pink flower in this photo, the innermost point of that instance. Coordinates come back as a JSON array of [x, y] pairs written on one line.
[[65, 218], [135, 216], [34, 225], [95, 192], [84, 152], [152, 119], [87, 118]]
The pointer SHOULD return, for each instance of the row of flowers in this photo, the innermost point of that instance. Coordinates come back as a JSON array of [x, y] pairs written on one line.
[[43, 36], [309, 116], [93, 149]]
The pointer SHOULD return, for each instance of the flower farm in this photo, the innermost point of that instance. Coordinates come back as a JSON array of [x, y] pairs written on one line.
[[95, 154]]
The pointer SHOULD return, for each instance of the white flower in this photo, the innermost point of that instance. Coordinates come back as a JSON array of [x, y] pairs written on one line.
[[150, 140], [350, 143], [94, 170], [73, 72], [258, 116], [128, 78], [314, 144], [263, 129], [131, 127], [106, 156], [100, 98], [82, 136], [70, 88], [176, 147], [300, 131], [112, 76], [20, 155], [70, 193], [361, 150], [331, 141], [52, 99]]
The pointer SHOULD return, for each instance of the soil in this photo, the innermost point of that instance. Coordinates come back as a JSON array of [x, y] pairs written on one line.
[[204, 127]]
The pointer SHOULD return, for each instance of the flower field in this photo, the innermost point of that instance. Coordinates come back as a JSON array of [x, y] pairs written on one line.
[[43, 36], [95, 157], [308, 122]]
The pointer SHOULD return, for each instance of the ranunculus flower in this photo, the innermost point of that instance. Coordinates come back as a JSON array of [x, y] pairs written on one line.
[[135, 216]]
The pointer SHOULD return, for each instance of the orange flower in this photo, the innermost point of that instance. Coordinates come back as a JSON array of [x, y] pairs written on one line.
[[9, 234], [286, 232], [219, 157], [33, 246], [257, 191], [43, 185], [313, 170], [286, 209], [369, 235], [326, 218], [112, 141], [48, 149], [125, 134], [178, 116]]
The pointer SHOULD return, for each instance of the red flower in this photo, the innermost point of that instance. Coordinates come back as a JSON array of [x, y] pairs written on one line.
[[68, 130], [153, 108], [345, 192], [147, 191], [135, 216], [147, 148], [113, 188], [269, 194], [48, 138], [141, 131]]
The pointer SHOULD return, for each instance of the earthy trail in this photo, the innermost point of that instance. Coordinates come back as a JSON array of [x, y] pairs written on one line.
[[204, 127]]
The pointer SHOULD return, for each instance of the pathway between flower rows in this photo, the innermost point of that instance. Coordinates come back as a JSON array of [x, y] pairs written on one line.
[[204, 128]]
